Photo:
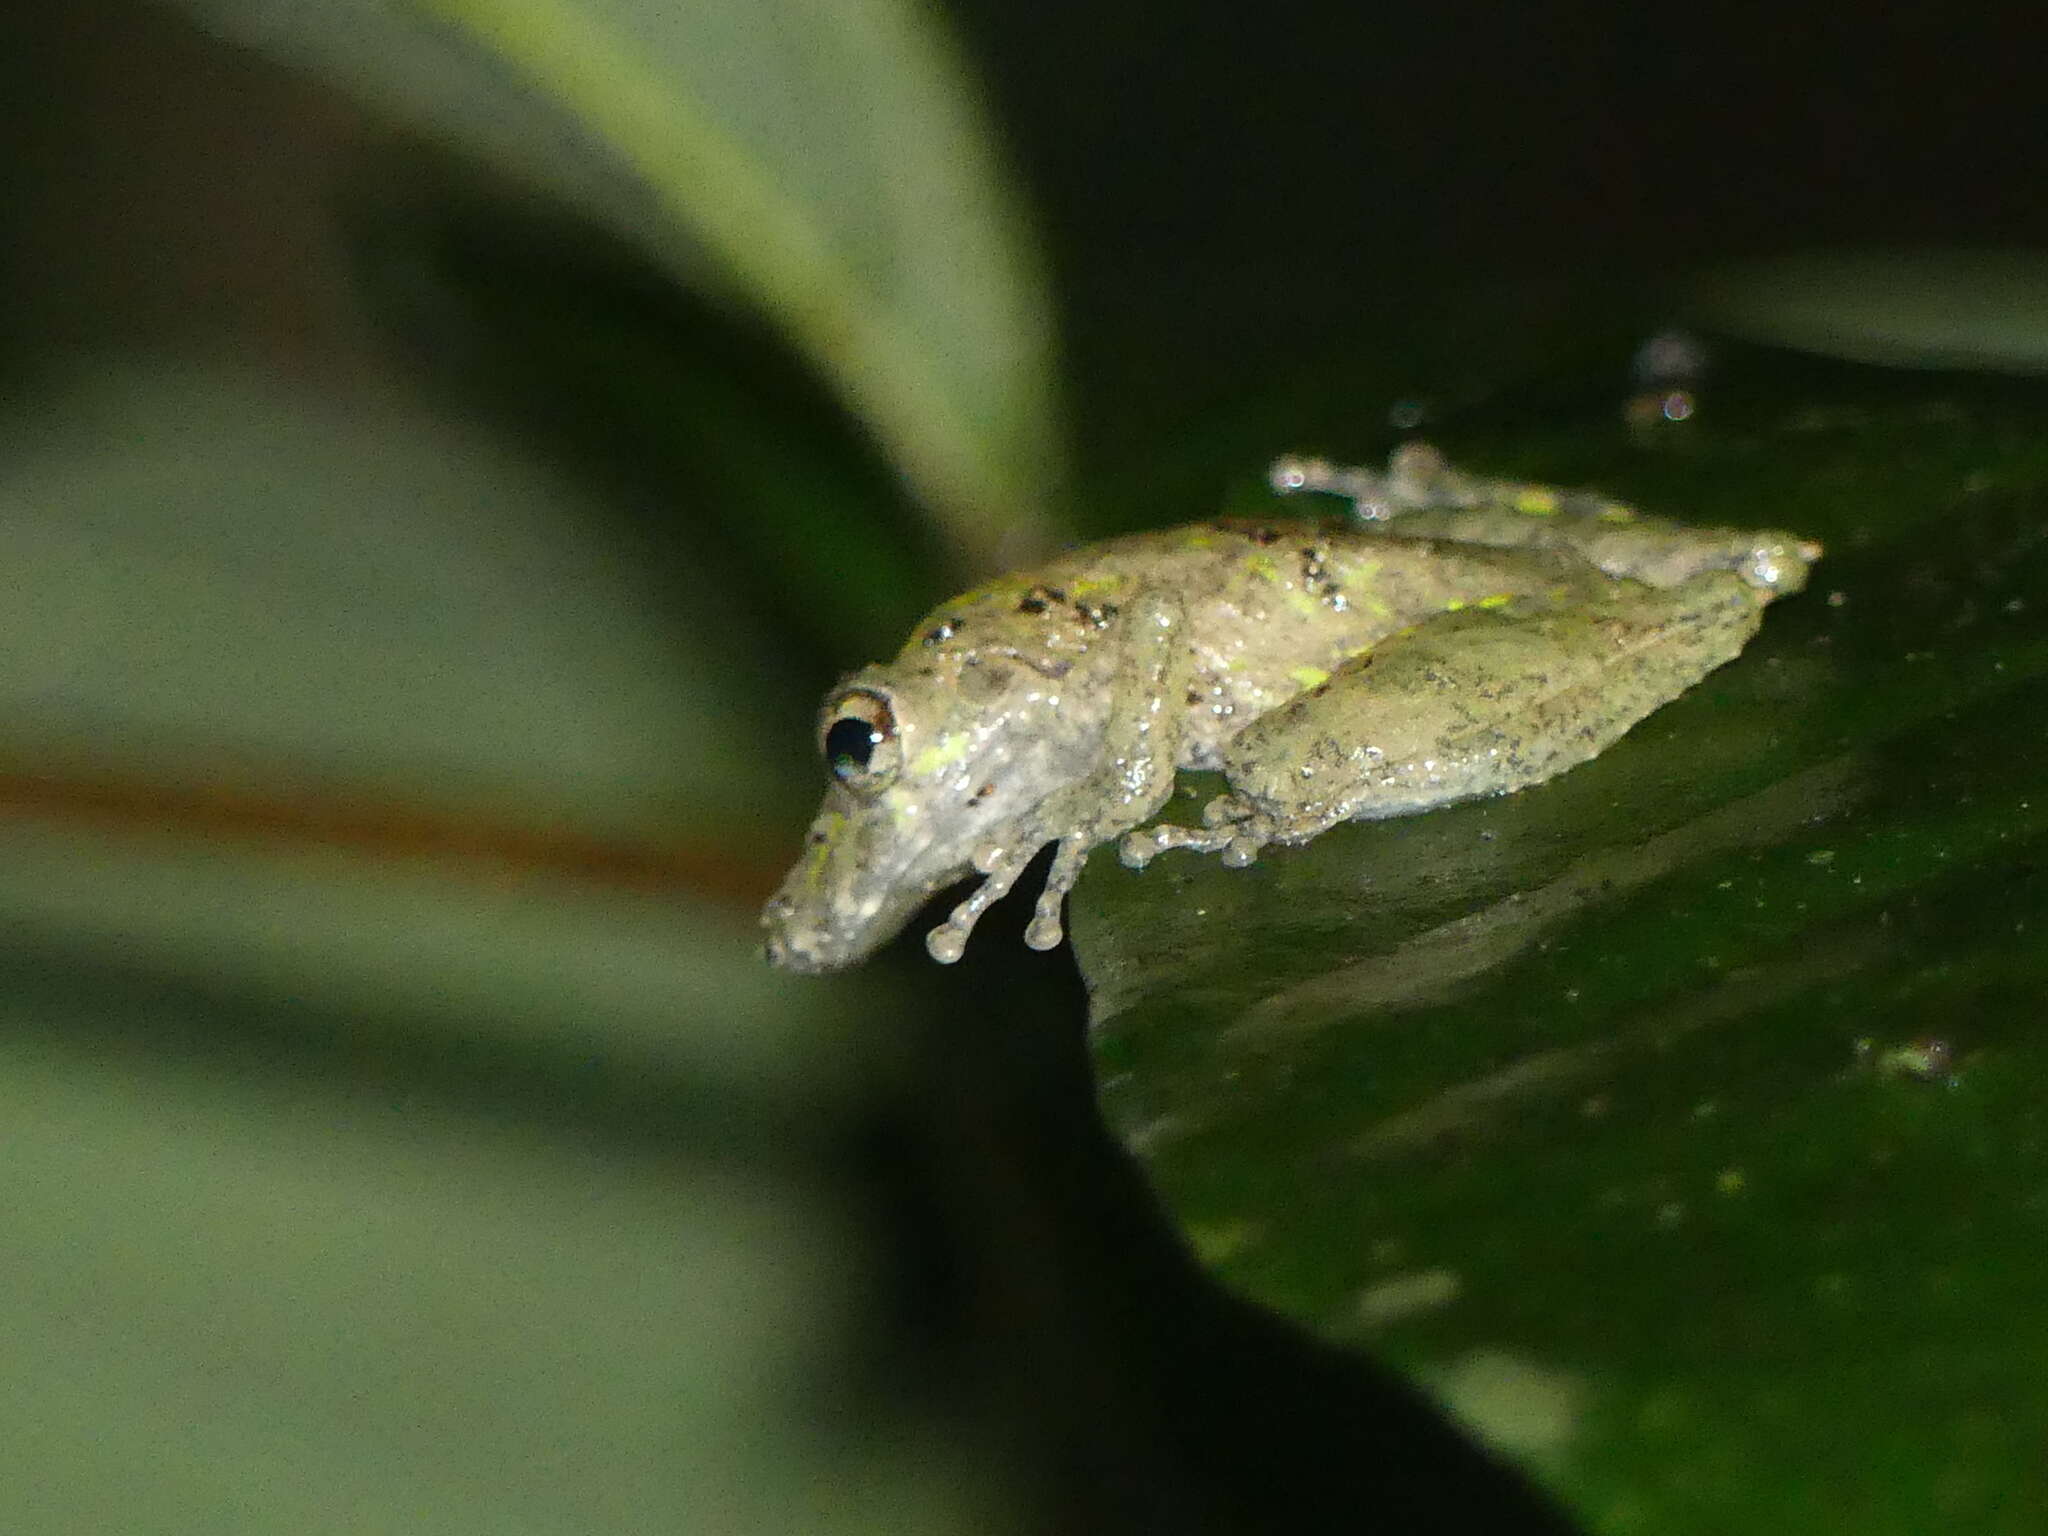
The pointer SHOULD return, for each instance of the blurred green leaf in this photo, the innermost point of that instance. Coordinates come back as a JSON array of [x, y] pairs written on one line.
[[253, 582], [824, 159], [1677, 1120], [245, 1300], [383, 1188], [1916, 307]]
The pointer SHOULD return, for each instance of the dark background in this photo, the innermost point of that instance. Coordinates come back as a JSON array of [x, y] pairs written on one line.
[[1226, 187], [1223, 190]]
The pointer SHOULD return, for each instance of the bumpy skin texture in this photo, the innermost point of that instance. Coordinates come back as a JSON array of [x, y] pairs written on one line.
[[1455, 637]]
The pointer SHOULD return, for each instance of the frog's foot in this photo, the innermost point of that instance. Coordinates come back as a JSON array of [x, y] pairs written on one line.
[[948, 942], [1140, 848], [1043, 931], [1229, 826], [1416, 476], [1419, 478], [1001, 867]]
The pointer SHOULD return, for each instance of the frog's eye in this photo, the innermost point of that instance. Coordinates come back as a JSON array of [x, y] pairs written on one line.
[[859, 740]]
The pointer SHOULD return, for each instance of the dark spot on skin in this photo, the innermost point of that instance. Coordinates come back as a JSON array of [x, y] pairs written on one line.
[[1315, 577], [815, 838], [1194, 697], [981, 794], [944, 630], [1097, 614], [1038, 599]]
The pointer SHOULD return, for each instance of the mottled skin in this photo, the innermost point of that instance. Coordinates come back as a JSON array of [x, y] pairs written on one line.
[[1455, 637]]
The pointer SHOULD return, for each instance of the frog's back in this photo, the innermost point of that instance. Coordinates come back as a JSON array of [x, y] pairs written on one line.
[[1321, 576], [1271, 606]]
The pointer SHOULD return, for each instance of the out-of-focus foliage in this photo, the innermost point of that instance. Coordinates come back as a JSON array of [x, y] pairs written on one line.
[[369, 1165], [403, 1132], [824, 160], [1919, 308]]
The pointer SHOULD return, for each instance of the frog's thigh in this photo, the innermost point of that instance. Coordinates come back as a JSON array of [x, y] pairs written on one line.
[[1482, 702]]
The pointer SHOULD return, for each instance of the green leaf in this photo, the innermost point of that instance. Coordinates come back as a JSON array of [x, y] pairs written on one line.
[[251, 1289], [1677, 1120], [251, 584], [1919, 306], [824, 159]]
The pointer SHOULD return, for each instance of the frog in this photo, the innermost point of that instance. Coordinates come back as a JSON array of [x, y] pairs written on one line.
[[1444, 637]]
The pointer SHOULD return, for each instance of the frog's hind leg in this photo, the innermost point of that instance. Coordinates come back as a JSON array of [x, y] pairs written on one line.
[[1416, 477], [1434, 499], [1479, 702]]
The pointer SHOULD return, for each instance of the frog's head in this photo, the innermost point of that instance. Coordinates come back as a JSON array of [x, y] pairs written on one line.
[[935, 771]]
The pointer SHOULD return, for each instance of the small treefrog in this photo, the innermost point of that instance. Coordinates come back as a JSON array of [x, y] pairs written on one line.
[[1455, 636]]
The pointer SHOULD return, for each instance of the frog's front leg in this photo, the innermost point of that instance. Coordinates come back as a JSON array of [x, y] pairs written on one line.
[[1129, 774], [1479, 702]]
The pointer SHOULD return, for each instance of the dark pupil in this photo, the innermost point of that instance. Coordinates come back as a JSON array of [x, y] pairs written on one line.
[[849, 743]]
